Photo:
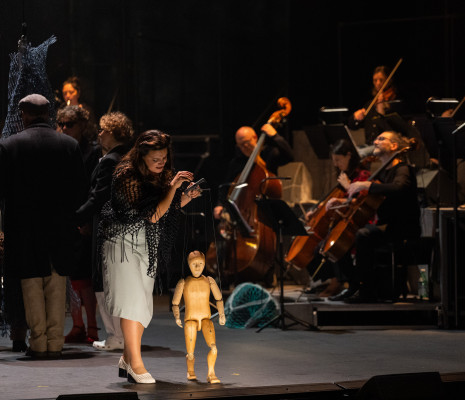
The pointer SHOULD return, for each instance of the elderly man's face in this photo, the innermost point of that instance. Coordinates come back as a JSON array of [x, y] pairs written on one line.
[[246, 140], [383, 144]]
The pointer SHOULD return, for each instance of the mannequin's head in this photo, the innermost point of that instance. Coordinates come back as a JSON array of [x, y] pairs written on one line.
[[196, 261]]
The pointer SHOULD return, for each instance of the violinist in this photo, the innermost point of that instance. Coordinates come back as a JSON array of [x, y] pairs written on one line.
[[349, 168], [360, 118], [398, 217], [275, 152]]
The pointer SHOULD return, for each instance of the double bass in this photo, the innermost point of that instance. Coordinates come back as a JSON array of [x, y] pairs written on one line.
[[249, 245]]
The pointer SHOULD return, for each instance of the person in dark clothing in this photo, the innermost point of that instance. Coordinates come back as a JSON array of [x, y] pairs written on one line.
[[349, 168], [373, 121], [42, 182], [116, 133], [275, 152], [398, 216], [74, 121]]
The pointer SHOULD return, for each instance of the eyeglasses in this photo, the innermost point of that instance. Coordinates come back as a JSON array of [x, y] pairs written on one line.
[[68, 124], [382, 138]]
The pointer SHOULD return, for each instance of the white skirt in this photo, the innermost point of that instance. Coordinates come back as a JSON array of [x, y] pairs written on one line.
[[128, 289]]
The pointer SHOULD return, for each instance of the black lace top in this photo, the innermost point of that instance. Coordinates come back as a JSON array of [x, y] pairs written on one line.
[[130, 209]]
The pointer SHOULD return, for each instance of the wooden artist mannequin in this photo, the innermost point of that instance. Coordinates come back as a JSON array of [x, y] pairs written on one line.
[[196, 290]]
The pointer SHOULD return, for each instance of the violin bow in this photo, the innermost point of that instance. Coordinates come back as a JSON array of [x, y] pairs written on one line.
[[458, 106], [382, 87]]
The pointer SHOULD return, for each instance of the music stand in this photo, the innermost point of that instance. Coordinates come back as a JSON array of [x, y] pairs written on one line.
[[452, 145], [276, 214]]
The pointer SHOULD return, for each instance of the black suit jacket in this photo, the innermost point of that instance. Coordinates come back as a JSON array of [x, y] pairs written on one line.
[[42, 183], [99, 194]]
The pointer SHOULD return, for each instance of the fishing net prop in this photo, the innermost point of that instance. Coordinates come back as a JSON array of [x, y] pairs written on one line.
[[250, 305]]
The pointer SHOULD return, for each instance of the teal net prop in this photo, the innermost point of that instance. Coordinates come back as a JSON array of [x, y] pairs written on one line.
[[249, 305]]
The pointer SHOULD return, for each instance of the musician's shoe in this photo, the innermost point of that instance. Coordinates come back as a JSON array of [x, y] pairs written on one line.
[[360, 297], [343, 295], [332, 289]]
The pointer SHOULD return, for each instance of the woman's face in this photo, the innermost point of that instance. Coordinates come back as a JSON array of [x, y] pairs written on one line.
[[155, 160], [341, 162], [71, 128], [378, 80], [70, 94], [105, 139]]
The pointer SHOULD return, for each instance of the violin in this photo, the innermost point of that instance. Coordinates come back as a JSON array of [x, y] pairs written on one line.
[[390, 92]]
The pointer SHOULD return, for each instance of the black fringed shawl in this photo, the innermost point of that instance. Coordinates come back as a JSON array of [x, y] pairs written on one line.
[[130, 209]]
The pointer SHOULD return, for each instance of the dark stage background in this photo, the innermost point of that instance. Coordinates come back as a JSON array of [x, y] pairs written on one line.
[[206, 67]]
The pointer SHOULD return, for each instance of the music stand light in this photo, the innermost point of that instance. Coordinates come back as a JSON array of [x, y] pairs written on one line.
[[276, 214]]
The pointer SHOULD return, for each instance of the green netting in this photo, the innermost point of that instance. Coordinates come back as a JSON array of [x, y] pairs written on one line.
[[249, 305]]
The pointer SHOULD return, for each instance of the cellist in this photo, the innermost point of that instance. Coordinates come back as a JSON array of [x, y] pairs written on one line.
[[398, 216], [349, 168], [275, 152]]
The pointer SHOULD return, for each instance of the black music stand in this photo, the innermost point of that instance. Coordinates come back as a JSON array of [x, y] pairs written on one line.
[[452, 147], [276, 214]]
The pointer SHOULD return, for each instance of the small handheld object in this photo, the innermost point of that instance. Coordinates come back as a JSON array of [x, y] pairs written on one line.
[[195, 186]]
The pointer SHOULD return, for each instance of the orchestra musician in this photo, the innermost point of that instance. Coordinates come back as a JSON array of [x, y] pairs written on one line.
[[397, 219], [349, 168], [362, 119], [276, 152]]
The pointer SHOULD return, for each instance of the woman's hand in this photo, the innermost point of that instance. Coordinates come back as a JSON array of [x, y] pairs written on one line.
[[333, 202], [344, 180], [359, 115], [181, 176], [192, 193], [217, 212]]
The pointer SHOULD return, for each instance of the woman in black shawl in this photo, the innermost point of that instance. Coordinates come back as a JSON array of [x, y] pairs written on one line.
[[137, 231]]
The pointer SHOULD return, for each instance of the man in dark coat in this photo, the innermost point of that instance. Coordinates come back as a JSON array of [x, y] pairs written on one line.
[[42, 183]]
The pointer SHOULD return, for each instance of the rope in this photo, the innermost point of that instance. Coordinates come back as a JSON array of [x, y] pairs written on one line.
[[202, 208]]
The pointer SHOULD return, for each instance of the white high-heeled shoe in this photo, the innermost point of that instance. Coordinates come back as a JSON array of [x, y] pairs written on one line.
[[139, 378], [123, 368]]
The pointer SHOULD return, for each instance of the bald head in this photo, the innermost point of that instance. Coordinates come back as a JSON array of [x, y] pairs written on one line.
[[246, 140]]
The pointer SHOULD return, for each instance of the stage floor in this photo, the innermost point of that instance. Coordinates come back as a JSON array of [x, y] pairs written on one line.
[[249, 362]]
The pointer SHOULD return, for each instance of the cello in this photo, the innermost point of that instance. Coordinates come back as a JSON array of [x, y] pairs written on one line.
[[303, 248], [360, 211], [250, 245]]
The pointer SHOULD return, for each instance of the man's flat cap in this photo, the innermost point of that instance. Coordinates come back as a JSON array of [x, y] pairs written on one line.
[[34, 103]]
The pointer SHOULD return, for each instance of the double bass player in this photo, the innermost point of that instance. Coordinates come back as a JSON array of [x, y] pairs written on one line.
[[275, 152], [247, 253]]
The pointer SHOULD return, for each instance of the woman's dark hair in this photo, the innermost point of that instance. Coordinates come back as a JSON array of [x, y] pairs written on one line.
[[134, 159], [81, 116], [343, 147], [386, 71]]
